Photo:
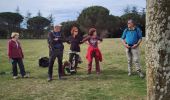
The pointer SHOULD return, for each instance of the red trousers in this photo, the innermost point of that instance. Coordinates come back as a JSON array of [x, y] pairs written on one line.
[[97, 65]]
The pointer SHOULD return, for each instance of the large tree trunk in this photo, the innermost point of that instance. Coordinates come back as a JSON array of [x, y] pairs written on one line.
[[158, 49]]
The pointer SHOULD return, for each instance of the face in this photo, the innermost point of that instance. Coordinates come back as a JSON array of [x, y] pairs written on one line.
[[95, 33], [75, 32], [16, 37], [57, 29], [130, 24]]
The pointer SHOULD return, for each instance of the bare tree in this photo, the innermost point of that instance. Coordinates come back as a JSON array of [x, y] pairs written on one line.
[[158, 49]]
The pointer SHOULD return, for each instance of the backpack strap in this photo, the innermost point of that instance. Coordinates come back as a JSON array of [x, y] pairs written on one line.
[[55, 35]]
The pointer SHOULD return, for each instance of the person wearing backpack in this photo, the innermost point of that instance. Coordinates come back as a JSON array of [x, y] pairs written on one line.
[[131, 39], [55, 40]]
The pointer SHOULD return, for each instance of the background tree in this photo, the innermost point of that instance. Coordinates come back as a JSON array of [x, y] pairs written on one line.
[[113, 26], [66, 28], [158, 49], [39, 13], [95, 16], [51, 19], [17, 10], [127, 10], [10, 21], [38, 25]]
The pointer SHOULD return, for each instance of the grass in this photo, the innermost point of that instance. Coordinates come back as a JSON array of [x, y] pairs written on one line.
[[112, 84]]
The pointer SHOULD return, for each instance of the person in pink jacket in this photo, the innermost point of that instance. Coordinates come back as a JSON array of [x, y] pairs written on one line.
[[15, 55]]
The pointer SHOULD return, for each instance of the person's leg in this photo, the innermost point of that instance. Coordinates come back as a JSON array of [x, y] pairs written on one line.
[[76, 61], [136, 59], [97, 65], [21, 67], [60, 63], [71, 55], [90, 66], [14, 67], [129, 59], [51, 63]]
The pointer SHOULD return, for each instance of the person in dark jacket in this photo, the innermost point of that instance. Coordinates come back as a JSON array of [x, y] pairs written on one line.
[[93, 51], [74, 40], [16, 55], [56, 47]]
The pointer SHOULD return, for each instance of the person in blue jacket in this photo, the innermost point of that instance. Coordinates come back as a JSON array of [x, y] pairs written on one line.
[[131, 39]]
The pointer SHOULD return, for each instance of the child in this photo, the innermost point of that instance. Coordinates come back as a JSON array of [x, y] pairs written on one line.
[[93, 51], [74, 40], [15, 55]]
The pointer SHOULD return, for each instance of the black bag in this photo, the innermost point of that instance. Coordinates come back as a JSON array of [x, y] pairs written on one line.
[[44, 62]]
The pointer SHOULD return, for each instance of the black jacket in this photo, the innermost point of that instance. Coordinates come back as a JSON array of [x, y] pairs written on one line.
[[75, 43], [53, 44]]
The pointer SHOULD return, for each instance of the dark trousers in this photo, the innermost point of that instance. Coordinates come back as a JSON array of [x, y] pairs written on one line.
[[71, 56], [55, 53], [18, 61], [97, 64]]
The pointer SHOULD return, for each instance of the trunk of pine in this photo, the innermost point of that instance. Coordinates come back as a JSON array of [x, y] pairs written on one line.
[[158, 49]]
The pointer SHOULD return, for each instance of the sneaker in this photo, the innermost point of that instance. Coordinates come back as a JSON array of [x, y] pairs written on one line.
[[49, 79], [98, 73], [141, 75], [129, 74], [15, 77], [25, 76]]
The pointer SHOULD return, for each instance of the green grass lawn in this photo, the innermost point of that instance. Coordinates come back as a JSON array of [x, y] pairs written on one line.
[[112, 84]]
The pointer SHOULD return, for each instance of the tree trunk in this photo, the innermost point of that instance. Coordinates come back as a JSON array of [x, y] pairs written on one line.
[[158, 49]]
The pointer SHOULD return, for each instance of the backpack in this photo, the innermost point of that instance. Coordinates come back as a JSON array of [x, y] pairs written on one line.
[[44, 62], [126, 29]]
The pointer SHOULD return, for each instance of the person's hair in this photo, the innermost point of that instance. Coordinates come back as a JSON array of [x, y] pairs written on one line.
[[74, 28], [91, 31], [132, 21], [14, 34], [57, 26]]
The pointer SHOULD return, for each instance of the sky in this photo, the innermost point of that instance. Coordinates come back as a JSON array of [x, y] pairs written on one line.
[[66, 10]]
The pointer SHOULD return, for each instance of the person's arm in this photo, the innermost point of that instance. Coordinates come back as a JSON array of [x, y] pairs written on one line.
[[125, 44], [50, 39], [21, 50], [68, 40], [62, 38], [123, 39], [9, 49], [80, 40], [85, 39], [100, 39], [139, 34]]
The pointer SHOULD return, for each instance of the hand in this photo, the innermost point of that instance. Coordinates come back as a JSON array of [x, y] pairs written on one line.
[[87, 43], [127, 46], [56, 39], [135, 46], [98, 42], [10, 60]]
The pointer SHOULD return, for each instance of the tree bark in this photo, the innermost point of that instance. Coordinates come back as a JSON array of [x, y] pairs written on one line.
[[158, 49]]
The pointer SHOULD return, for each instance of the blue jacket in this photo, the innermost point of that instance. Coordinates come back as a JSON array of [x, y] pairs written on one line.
[[132, 36]]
